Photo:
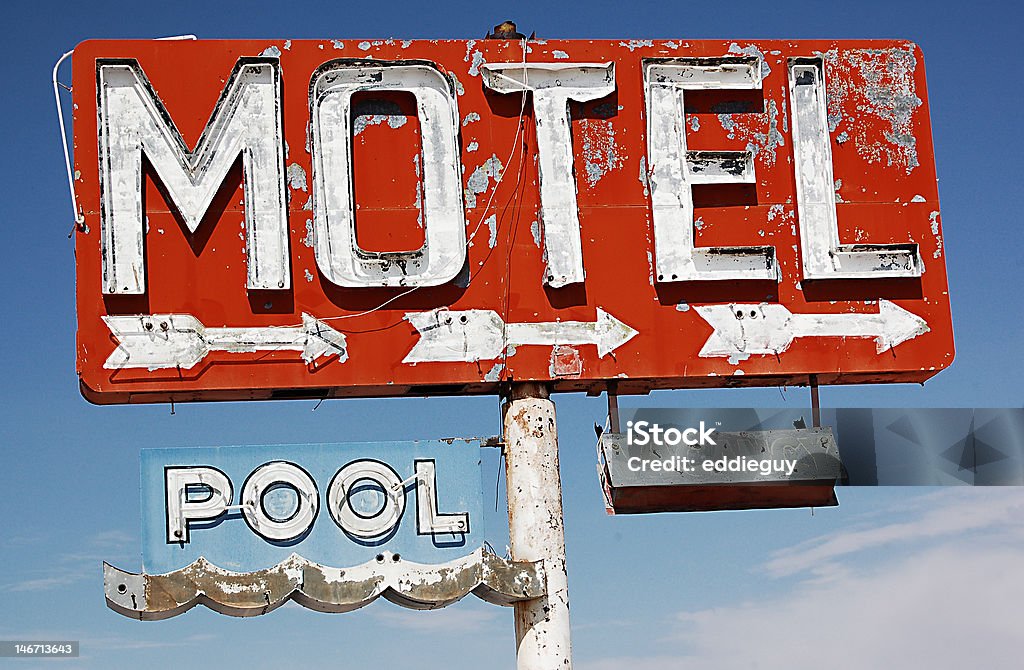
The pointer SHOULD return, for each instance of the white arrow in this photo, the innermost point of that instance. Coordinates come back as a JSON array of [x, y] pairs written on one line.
[[771, 328], [481, 335], [159, 341]]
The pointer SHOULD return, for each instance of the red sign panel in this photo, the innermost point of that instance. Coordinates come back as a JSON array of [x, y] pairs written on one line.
[[384, 217]]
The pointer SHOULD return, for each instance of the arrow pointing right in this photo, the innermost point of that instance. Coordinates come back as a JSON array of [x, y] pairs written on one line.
[[481, 334], [771, 328]]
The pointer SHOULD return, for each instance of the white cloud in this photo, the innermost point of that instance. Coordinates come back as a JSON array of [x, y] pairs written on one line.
[[948, 513], [40, 584], [951, 607], [60, 569], [952, 596]]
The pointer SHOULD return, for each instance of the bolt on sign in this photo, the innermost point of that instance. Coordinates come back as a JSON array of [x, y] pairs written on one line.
[[372, 218], [322, 524]]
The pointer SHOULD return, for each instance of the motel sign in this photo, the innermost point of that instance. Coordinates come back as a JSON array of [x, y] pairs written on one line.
[[333, 218]]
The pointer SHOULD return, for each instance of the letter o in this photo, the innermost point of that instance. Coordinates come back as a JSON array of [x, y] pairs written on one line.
[[267, 478], [340, 506]]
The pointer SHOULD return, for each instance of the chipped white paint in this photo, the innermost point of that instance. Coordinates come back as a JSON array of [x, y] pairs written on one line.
[[890, 94], [479, 180], [636, 44], [752, 50], [482, 335], [167, 341], [375, 112], [536, 526], [307, 240], [933, 224], [565, 361], [823, 255], [322, 588], [494, 374], [675, 170], [246, 121], [338, 254], [601, 154], [744, 330], [760, 131], [297, 178], [553, 85], [478, 61], [492, 228]]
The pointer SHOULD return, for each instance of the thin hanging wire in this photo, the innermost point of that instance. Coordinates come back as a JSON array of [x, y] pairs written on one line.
[[483, 215], [57, 85], [77, 214]]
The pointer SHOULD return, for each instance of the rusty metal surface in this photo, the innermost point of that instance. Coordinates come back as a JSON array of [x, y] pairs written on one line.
[[814, 451], [794, 265], [325, 589], [805, 465]]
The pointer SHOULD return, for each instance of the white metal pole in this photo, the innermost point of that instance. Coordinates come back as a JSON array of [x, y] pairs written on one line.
[[535, 525]]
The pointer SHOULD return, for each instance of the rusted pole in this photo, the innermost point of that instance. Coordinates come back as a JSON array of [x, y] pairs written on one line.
[[535, 525]]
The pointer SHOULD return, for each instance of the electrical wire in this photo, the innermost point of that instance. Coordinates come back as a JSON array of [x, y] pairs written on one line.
[[79, 218], [483, 215], [75, 209]]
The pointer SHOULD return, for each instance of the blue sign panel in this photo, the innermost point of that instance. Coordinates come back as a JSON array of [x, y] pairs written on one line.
[[249, 508]]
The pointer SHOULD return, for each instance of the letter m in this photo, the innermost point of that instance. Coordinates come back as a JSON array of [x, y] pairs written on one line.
[[246, 121]]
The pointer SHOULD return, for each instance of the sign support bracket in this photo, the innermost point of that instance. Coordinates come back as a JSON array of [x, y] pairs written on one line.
[[815, 402], [613, 407]]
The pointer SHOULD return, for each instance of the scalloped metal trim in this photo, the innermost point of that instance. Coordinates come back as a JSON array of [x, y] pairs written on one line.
[[321, 588]]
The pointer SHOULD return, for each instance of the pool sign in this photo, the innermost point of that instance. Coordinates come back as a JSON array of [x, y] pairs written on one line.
[[373, 218], [246, 509]]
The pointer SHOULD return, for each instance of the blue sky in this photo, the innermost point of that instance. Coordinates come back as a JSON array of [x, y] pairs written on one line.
[[893, 577]]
